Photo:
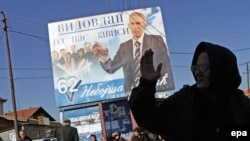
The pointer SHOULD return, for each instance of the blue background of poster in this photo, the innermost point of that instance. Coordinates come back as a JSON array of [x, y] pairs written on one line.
[[117, 117], [91, 92]]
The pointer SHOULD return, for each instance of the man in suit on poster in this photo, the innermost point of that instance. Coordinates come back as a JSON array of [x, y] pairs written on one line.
[[125, 56]]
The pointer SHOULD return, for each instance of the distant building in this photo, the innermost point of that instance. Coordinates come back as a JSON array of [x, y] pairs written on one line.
[[1, 105], [35, 121], [5, 124], [30, 113]]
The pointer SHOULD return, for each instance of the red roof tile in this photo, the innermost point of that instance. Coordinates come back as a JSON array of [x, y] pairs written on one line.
[[25, 113]]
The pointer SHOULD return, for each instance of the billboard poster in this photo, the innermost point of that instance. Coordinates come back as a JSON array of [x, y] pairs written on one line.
[[87, 121], [94, 58], [117, 117]]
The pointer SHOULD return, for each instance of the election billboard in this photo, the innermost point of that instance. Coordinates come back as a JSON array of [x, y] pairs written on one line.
[[94, 58], [86, 120], [117, 118]]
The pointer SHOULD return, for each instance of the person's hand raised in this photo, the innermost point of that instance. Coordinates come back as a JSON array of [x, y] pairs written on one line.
[[147, 67]]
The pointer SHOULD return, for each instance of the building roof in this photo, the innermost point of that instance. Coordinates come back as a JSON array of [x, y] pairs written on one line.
[[25, 113], [2, 100], [31, 112]]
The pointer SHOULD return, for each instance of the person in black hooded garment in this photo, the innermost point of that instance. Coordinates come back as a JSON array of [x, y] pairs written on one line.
[[204, 111]]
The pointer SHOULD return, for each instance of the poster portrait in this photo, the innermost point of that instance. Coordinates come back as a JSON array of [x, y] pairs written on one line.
[[93, 57]]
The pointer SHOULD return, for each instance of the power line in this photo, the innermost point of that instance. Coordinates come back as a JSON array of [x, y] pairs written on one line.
[[36, 22], [241, 49], [28, 34], [33, 77], [244, 63], [29, 20], [27, 68], [38, 77], [46, 39], [180, 53]]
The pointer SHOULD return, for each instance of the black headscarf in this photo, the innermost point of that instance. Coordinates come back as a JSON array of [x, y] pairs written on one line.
[[211, 106], [224, 73]]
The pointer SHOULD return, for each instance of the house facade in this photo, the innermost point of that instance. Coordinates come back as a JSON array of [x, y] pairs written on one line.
[[36, 122]]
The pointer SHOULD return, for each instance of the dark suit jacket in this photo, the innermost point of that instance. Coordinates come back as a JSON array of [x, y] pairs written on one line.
[[124, 59], [62, 61], [67, 133]]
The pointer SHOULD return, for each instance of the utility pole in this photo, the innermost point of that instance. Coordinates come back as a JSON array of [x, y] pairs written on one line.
[[10, 74], [247, 78]]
